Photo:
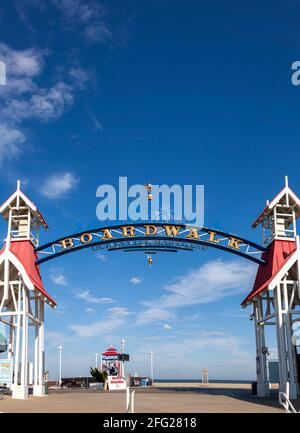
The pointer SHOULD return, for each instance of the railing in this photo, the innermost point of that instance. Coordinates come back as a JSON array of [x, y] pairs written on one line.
[[129, 400], [285, 401]]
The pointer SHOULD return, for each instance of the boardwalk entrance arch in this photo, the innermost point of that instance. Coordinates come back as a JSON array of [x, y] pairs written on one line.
[[275, 297]]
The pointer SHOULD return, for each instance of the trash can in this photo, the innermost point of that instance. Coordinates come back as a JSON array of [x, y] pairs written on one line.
[[254, 388]]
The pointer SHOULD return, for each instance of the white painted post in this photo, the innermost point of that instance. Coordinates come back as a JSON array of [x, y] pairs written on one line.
[[6, 261], [261, 367], [36, 388], [132, 402], [96, 360], [41, 350], [127, 400], [281, 344], [60, 348], [123, 363], [151, 366], [17, 346], [24, 358], [30, 381], [291, 354], [11, 338]]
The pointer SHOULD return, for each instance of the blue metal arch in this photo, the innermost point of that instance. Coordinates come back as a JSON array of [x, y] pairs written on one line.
[[249, 250]]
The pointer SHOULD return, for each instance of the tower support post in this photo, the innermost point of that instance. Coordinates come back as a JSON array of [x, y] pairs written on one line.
[[20, 387], [263, 389], [287, 368]]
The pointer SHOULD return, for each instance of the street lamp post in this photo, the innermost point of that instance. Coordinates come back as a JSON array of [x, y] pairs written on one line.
[[96, 360], [123, 351], [60, 348], [151, 366]]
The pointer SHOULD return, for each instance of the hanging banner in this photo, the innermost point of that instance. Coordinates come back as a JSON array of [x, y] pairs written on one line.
[[6, 370]]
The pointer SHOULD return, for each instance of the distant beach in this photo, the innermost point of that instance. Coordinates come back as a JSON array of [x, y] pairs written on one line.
[[200, 381]]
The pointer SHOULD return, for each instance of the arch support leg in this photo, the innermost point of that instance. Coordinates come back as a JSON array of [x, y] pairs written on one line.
[[263, 389]]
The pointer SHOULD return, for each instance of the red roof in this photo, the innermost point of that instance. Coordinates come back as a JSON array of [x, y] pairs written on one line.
[[111, 351], [24, 252], [278, 253]]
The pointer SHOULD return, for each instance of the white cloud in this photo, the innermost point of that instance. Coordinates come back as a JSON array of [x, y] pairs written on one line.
[[214, 342], [59, 279], [58, 185], [91, 299], [11, 142], [89, 17], [211, 282], [27, 62], [90, 310], [79, 74], [167, 327], [119, 311], [98, 32], [97, 124], [55, 339], [154, 315], [44, 104], [101, 257], [136, 280], [23, 99], [101, 327]]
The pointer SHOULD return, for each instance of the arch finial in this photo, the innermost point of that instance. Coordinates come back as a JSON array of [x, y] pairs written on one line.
[[286, 181]]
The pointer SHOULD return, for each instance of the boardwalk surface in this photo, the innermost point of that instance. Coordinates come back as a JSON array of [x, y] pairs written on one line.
[[170, 398]]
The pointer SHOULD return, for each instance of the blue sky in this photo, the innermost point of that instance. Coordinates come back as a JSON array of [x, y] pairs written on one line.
[[162, 92]]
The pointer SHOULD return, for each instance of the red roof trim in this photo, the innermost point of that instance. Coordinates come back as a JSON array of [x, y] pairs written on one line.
[[276, 256], [262, 212], [111, 351], [24, 252]]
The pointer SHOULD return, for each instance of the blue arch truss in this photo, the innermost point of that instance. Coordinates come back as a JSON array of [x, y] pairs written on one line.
[[151, 238]]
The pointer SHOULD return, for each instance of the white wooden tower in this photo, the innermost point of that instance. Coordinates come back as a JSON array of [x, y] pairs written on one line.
[[276, 293], [22, 295]]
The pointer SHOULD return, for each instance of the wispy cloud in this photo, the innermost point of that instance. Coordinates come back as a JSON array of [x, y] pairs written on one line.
[[136, 280], [211, 282], [11, 142], [89, 17], [79, 75], [229, 345], [86, 17], [90, 310], [44, 104], [119, 311], [154, 315], [97, 124], [102, 327], [88, 297], [58, 185], [59, 279], [23, 99], [55, 338], [167, 327], [101, 257]]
